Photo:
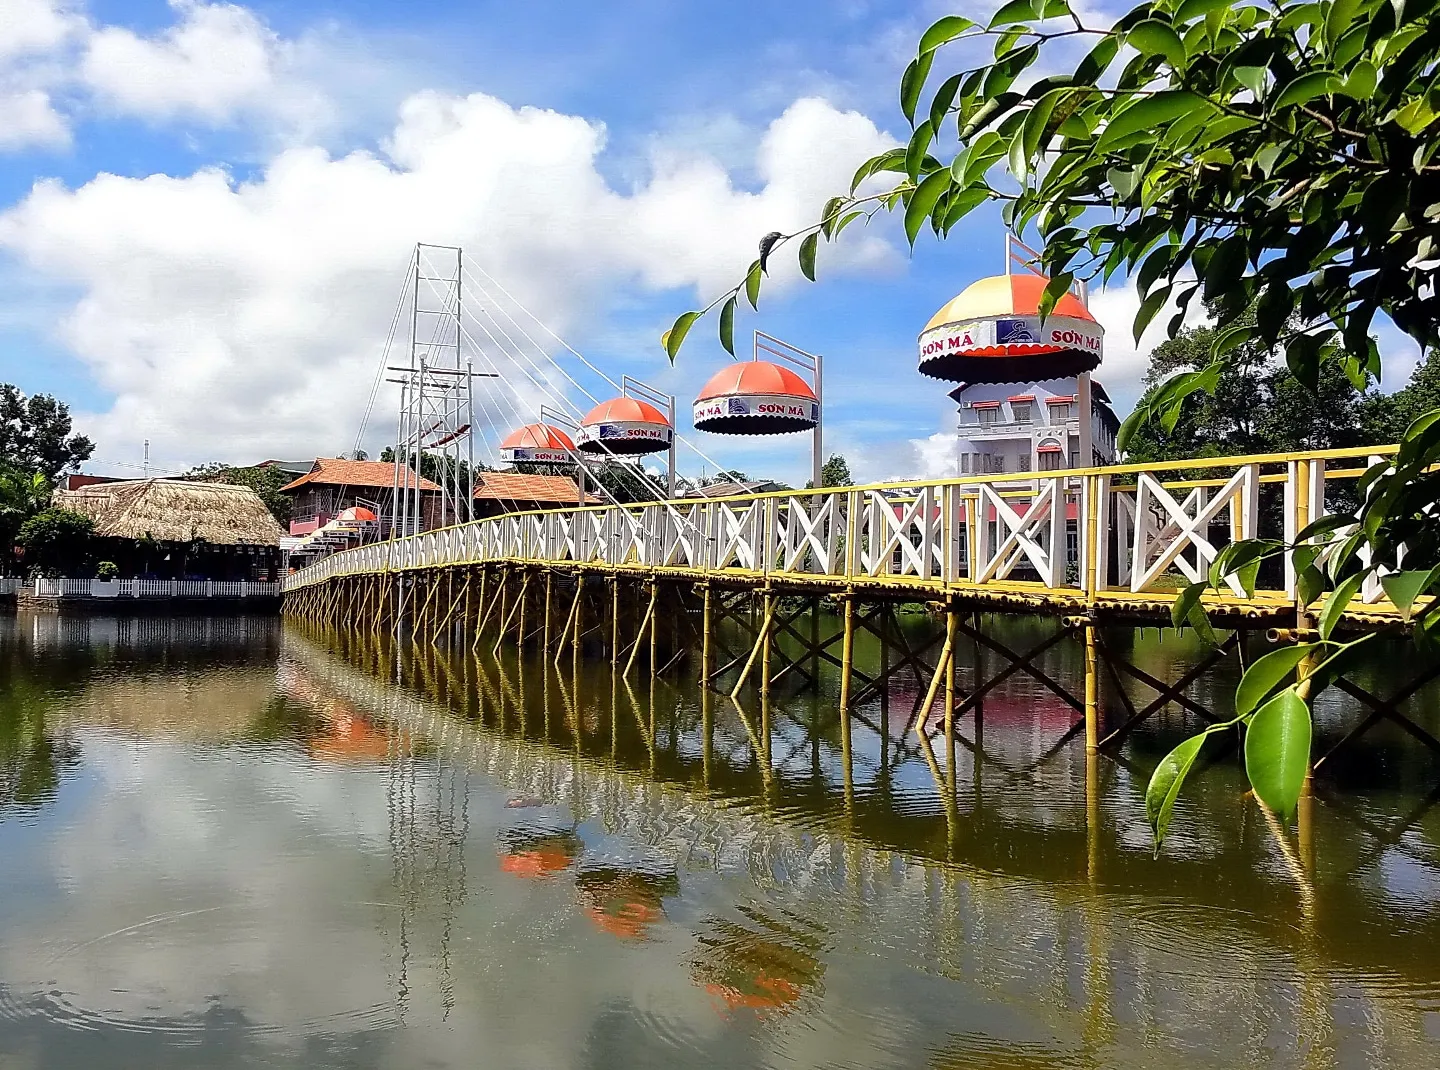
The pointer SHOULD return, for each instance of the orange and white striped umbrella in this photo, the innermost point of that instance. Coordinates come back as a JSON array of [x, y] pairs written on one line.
[[993, 333]]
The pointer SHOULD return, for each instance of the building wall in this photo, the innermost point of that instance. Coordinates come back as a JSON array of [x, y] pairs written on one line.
[[1014, 427]]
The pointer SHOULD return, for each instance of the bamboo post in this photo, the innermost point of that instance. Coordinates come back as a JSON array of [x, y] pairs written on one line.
[[548, 577], [649, 614], [614, 620], [705, 625], [1092, 689], [765, 655], [760, 640], [952, 628], [654, 630]]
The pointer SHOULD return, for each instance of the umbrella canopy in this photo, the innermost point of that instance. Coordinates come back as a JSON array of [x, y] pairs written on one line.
[[625, 426], [537, 444], [992, 333], [756, 397], [358, 514]]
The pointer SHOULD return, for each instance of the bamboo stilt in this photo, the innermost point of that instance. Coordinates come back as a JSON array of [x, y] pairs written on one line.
[[760, 640], [649, 616]]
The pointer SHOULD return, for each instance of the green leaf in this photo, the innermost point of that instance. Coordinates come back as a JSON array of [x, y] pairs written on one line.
[[1194, 9], [915, 152], [1266, 673], [1309, 583], [1185, 601], [727, 325], [1417, 115], [1336, 603], [1150, 113], [1403, 588], [944, 31], [1152, 37], [807, 255], [912, 82], [829, 215], [675, 336], [943, 99], [1165, 784], [1013, 12], [1277, 752], [752, 284], [923, 200], [1302, 90], [1253, 79], [1360, 83], [1242, 560]]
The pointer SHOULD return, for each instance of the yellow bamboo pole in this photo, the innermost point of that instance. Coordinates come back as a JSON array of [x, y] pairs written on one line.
[[760, 640], [649, 616]]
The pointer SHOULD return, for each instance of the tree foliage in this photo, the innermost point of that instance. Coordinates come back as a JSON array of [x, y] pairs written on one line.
[[1278, 161], [1256, 405], [835, 472], [22, 495], [264, 480], [35, 434], [57, 542]]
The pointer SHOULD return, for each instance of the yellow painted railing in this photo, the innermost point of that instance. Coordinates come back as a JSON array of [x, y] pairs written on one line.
[[1121, 533]]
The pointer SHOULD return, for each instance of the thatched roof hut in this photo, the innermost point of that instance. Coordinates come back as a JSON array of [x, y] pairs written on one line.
[[174, 510]]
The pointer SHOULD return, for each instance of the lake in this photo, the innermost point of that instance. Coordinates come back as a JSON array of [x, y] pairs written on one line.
[[229, 843]]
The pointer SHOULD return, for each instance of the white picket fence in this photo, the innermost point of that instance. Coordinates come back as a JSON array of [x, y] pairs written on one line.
[[71, 588]]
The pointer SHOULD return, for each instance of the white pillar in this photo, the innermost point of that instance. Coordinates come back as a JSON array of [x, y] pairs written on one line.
[[1087, 420]]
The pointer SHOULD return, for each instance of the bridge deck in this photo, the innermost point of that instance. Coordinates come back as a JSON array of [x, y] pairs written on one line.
[[1121, 540]]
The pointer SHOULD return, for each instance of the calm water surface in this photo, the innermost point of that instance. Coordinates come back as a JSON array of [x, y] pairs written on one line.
[[224, 843]]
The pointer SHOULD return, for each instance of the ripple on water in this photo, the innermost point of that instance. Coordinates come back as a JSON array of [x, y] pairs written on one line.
[[213, 940]]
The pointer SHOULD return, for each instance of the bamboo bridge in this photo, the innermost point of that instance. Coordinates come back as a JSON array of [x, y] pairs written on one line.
[[652, 584]]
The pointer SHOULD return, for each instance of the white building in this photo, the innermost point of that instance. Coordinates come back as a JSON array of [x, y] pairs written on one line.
[[1029, 427]]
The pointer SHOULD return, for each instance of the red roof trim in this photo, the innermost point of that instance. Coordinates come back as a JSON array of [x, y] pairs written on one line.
[[1049, 449], [1021, 397], [984, 404], [1060, 400]]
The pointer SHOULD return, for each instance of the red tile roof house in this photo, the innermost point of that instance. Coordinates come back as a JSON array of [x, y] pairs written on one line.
[[512, 492], [333, 485]]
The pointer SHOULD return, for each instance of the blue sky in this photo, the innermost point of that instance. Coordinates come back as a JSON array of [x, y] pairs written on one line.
[[205, 208]]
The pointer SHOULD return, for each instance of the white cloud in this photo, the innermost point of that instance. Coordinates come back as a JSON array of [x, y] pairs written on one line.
[[217, 62], [935, 456], [31, 119], [1123, 369], [31, 26], [237, 319]]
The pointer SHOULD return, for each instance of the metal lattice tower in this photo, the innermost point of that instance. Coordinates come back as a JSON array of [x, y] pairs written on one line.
[[436, 417]]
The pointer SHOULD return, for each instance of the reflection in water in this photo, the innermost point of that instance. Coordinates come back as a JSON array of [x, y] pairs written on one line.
[[231, 847], [624, 902], [765, 969]]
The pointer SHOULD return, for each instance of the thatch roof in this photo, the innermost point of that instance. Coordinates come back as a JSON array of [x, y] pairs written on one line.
[[173, 510]]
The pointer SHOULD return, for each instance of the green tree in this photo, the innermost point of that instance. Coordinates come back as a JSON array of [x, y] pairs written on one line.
[[35, 434], [57, 542], [1255, 406], [1280, 158], [835, 472], [264, 480], [21, 497]]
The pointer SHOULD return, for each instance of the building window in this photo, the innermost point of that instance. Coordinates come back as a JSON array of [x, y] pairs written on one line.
[[1051, 460], [1024, 459], [1021, 409], [1060, 413], [986, 417]]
